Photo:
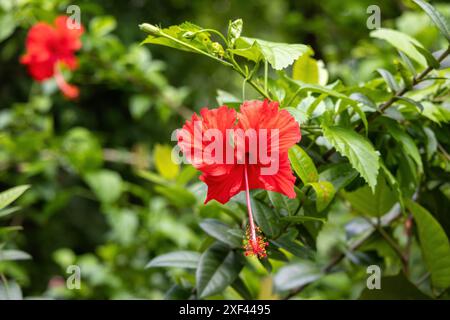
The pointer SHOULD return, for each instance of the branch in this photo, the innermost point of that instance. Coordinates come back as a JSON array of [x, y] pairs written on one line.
[[393, 99], [337, 259]]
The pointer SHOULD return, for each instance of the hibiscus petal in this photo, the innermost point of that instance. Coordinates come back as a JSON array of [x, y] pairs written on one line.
[[283, 181], [196, 140], [259, 115], [223, 187]]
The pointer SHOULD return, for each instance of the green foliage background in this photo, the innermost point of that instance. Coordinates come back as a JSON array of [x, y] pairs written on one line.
[[103, 194]]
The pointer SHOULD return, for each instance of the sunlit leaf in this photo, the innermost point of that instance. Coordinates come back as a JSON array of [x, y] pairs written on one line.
[[357, 149], [8, 196], [179, 259], [303, 165], [434, 243]]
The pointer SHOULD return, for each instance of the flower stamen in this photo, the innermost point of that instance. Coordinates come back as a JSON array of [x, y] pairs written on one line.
[[70, 91], [254, 243]]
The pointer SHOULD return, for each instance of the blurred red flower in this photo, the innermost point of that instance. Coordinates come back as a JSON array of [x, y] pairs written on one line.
[[242, 151], [48, 48]]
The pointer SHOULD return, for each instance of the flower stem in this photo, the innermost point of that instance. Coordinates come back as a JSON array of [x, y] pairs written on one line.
[[249, 207]]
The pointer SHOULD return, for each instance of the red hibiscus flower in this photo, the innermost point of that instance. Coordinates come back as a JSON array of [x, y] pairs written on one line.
[[48, 48], [240, 152]]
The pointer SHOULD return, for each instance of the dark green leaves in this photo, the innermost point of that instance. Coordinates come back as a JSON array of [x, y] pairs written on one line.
[[370, 203], [405, 142], [266, 218], [394, 288], [218, 268], [340, 175], [357, 149], [179, 259], [221, 232], [434, 243]]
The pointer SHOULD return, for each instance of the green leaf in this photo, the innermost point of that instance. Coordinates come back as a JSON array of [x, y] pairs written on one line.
[[434, 243], [8, 196], [10, 291], [182, 37], [303, 165], [436, 17], [7, 25], [389, 79], [101, 26], [266, 218], [408, 62], [412, 102], [8, 211], [186, 37], [372, 204], [405, 142], [324, 194], [394, 288], [178, 196], [340, 175], [301, 219], [162, 156], [242, 289], [177, 292], [435, 112], [357, 149], [234, 31], [178, 259], [431, 60], [279, 55], [299, 115], [393, 183], [220, 231], [13, 255], [106, 184], [282, 203], [152, 177], [139, 105], [217, 269], [309, 87], [296, 275], [288, 242], [402, 42], [306, 70], [431, 145], [364, 100]]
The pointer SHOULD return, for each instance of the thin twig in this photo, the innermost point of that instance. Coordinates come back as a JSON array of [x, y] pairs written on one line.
[[393, 99], [337, 259]]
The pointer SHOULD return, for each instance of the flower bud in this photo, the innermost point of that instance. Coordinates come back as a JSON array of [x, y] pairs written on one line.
[[147, 27]]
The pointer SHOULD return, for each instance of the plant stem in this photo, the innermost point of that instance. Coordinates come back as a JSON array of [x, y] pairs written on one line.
[[393, 99], [249, 207], [233, 64], [266, 72], [335, 261]]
